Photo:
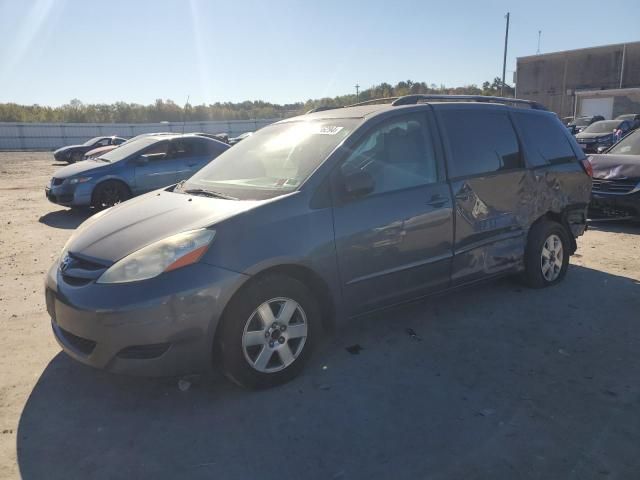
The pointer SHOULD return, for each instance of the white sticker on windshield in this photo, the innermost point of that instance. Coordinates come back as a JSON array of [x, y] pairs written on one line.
[[329, 130]]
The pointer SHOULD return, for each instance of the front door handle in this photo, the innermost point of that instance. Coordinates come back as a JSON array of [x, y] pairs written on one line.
[[437, 200]]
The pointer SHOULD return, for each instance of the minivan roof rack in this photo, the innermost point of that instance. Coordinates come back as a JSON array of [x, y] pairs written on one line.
[[414, 99], [321, 108], [374, 100], [420, 98]]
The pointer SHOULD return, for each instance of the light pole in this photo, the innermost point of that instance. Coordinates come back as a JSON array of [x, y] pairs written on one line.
[[504, 60], [539, 35], [357, 93]]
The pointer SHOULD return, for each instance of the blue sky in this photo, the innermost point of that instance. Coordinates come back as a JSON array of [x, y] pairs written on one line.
[[277, 50]]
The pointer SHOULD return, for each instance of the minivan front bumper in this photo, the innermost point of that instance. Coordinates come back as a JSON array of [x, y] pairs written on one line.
[[157, 327]]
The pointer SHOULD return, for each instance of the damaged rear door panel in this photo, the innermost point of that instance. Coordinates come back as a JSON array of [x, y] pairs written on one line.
[[561, 188], [489, 185], [507, 170]]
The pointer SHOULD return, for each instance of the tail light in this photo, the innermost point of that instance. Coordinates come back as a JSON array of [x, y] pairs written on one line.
[[588, 168]]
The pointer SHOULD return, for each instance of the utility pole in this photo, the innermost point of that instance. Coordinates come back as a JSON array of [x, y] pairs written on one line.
[[357, 93], [504, 60], [539, 35]]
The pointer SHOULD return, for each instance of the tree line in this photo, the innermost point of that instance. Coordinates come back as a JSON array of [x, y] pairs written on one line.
[[167, 110]]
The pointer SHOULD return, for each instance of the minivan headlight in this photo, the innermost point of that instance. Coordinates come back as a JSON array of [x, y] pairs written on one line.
[[164, 255]]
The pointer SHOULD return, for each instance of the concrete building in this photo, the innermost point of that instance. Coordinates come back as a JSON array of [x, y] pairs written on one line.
[[590, 81]]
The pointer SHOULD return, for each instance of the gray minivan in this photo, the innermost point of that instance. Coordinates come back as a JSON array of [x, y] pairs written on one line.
[[313, 220]]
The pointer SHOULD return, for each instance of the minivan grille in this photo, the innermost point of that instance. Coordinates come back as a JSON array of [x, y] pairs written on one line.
[[78, 271], [613, 186]]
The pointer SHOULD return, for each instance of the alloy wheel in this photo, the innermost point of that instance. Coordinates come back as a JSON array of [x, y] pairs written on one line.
[[551, 258], [274, 335]]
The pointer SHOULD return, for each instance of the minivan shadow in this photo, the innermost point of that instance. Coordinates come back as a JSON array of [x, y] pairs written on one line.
[[66, 219], [489, 379]]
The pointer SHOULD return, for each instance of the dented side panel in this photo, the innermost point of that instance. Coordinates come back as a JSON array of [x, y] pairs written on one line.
[[494, 214], [490, 223]]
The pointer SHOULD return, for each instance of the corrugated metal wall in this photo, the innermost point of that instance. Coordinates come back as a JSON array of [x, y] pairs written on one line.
[[49, 136]]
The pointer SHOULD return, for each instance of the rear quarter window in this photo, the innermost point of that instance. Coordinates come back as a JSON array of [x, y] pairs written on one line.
[[480, 142], [545, 139]]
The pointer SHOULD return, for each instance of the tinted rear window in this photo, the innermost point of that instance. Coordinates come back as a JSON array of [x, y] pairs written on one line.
[[545, 140], [480, 142]]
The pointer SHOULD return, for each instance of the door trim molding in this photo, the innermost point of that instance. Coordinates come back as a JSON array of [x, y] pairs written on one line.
[[406, 266]]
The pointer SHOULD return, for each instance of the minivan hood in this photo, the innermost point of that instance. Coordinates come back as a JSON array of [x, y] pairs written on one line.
[[615, 167], [80, 167], [126, 228]]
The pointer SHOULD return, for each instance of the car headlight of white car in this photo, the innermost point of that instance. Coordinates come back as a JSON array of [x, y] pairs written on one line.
[[164, 255]]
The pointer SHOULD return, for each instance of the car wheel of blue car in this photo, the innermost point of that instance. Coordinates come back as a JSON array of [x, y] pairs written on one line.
[[268, 331], [110, 193]]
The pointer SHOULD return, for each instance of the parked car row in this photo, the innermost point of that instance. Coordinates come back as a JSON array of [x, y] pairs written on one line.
[[308, 221], [142, 164], [577, 125], [75, 153], [599, 136], [595, 134], [616, 180], [97, 146]]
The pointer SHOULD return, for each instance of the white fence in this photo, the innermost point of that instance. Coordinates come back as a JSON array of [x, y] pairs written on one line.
[[49, 136]]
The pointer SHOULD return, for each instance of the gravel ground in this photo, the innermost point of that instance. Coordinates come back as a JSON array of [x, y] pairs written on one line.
[[499, 381]]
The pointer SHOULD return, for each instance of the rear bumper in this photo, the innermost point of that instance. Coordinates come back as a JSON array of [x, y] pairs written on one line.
[[614, 206], [162, 326]]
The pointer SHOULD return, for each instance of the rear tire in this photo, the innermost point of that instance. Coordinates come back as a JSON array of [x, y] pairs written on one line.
[[267, 332], [109, 193], [546, 255]]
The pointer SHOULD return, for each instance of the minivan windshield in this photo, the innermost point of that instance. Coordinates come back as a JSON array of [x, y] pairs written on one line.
[[603, 126], [629, 145], [273, 161], [127, 149]]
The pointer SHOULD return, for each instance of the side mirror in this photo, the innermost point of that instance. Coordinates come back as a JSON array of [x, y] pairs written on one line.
[[358, 184], [142, 160], [601, 149]]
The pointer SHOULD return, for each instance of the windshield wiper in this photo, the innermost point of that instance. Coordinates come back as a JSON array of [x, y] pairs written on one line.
[[102, 159], [208, 193]]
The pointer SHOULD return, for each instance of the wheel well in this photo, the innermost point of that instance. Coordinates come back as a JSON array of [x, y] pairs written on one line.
[[316, 285], [561, 219], [113, 180]]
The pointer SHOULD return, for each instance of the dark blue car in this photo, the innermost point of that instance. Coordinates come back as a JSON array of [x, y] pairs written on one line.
[[134, 168]]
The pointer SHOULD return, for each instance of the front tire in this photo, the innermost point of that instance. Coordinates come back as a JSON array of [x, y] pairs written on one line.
[[546, 255], [268, 331], [109, 193]]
